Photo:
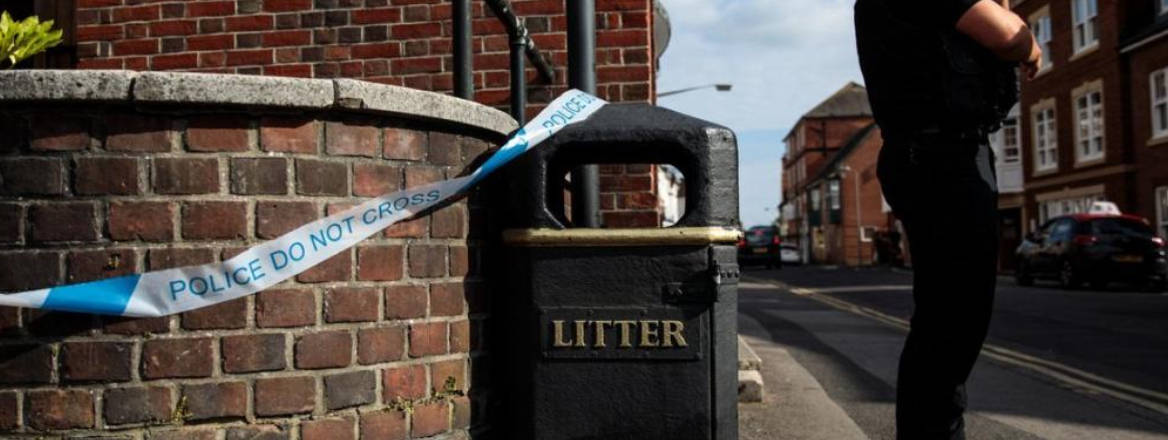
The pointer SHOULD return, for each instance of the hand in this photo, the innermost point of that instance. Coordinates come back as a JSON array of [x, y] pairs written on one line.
[[1033, 63]]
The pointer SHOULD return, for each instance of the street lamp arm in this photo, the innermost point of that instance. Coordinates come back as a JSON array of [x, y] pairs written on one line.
[[719, 87]]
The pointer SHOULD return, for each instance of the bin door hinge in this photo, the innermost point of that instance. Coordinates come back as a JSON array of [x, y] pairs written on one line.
[[722, 273]]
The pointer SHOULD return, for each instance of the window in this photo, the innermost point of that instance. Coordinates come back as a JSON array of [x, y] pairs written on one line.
[[1162, 211], [1089, 119], [833, 195], [1075, 205], [1159, 88], [1040, 25], [1085, 24], [815, 199], [1045, 140], [1005, 143]]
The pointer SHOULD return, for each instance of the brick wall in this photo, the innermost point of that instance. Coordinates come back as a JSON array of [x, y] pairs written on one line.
[[377, 342]]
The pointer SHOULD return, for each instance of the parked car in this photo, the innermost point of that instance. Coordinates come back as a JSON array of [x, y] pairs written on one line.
[[789, 254], [1094, 248], [760, 245]]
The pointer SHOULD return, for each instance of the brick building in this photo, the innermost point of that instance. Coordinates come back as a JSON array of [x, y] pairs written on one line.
[[1094, 118], [831, 149], [399, 42]]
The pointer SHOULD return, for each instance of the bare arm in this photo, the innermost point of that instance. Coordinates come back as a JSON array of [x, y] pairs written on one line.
[[996, 28]]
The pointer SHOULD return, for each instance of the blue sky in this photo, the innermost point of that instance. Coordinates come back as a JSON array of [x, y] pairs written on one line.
[[782, 56]]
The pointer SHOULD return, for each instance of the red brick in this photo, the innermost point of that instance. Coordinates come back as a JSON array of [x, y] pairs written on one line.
[[327, 429], [136, 47], [449, 222], [211, 42], [137, 405], [136, 30], [382, 15], [285, 396], [10, 412], [264, 175], [427, 339], [59, 409], [421, 175], [218, 133], [26, 364], [225, 315], [459, 261], [351, 138], [427, 261], [212, 59], [637, 219], [246, 57], [186, 176], [62, 222], [9, 321], [174, 62], [189, 357], [286, 5], [447, 299], [405, 302], [136, 13], [174, 27], [106, 176], [383, 425], [274, 219], [415, 228], [285, 308], [625, 183], [461, 418], [215, 400], [321, 178], [212, 8], [388, 49], [214, 220], [251, 353], [288, 135], [407, 383], [111, 32], [184, 434], [32, 176], [410, 31], [287, 38], [623, 73], [59, 132], [354, 388], [354, 304], [452, 371], [116, 325], [409, 66], [84, 266], [379, 263], [430, 419], [460, 337], [324, 350], [445, 150], [377, 345], [337, 268], [373, 180], [25, 271], [169, 258]]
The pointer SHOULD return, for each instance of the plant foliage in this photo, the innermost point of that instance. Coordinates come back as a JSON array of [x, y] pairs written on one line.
[[20, 40]]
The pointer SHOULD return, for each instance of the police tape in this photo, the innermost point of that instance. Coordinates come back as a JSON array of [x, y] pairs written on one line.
[[166, 292]]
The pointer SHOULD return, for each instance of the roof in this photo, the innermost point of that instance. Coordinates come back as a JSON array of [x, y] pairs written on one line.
[[1086, 216], [854, 142], [849, 101]]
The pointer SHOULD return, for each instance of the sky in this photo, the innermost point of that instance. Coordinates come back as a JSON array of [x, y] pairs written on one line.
[[782, 56]]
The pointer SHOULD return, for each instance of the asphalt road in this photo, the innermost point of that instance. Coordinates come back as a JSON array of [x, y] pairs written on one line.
[[1059, 364]]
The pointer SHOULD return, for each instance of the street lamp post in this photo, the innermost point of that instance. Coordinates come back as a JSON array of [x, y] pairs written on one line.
[[718, 87]]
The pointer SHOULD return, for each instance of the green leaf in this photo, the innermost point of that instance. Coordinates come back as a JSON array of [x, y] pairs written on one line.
[[26, 38]]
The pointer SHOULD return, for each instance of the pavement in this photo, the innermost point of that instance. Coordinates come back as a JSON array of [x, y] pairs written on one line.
[[1058, 364]]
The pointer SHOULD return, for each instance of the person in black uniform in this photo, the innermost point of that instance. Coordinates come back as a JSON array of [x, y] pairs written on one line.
[[941, 75]]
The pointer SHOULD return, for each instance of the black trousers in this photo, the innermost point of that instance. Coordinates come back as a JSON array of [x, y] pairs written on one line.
[[945, 194]]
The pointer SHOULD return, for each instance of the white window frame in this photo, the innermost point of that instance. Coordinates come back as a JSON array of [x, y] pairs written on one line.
[[1006, 142], [1162, 210], [816, 199], [833, 195], [1090, 141], [1045, 137], [1040, 25], [1084, 24], [1159, 104]]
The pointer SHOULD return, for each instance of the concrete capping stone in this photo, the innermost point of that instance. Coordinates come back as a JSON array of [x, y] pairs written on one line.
[[250, 91], [68, 85], [374, 97], [747, 358]]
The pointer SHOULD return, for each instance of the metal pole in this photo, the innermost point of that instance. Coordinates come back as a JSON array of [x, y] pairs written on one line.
[[582, 75], [519, 77], [463, 60]]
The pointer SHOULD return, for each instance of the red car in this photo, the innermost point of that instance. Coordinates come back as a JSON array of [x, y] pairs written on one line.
[[1094, 248]]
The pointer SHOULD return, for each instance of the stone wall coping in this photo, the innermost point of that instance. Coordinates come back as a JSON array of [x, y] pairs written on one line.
[[347, 95]]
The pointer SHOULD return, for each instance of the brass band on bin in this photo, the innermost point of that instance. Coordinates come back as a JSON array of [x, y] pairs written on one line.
[[691, 236]]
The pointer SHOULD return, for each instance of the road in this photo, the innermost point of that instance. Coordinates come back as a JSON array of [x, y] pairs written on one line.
[[1058, 364]]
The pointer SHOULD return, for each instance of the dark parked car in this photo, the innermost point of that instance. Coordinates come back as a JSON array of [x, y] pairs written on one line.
[[761, 245], [1096, 249]]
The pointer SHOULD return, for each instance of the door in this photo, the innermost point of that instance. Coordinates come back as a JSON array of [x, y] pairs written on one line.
[[1010, 236]]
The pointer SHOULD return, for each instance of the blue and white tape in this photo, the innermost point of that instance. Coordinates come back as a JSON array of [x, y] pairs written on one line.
[[166, 292]]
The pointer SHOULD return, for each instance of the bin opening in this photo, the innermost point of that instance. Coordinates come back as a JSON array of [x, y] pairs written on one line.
[[634, 195]]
